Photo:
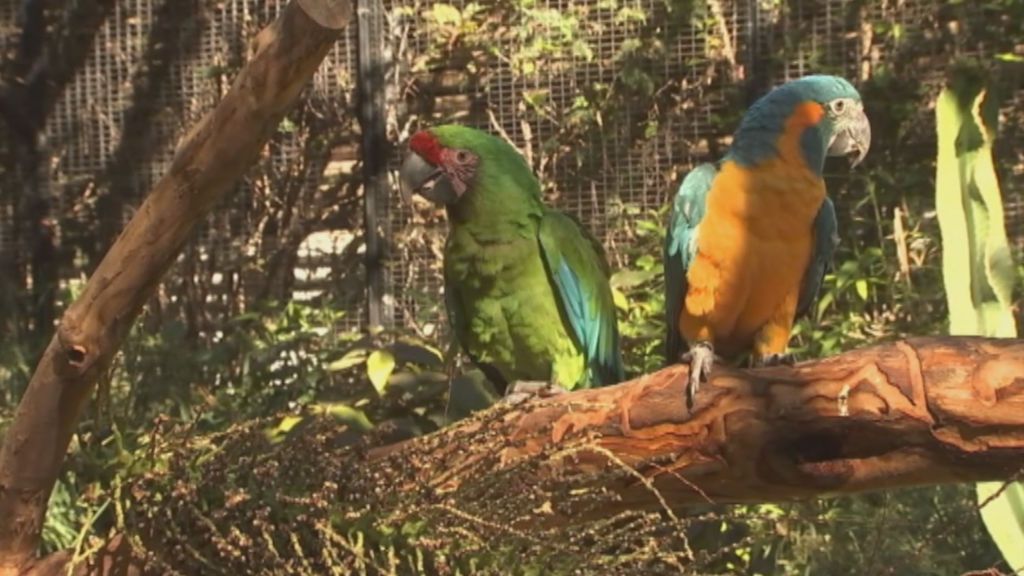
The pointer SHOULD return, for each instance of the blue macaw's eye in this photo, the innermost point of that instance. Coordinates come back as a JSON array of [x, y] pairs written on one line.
[[838, 106]]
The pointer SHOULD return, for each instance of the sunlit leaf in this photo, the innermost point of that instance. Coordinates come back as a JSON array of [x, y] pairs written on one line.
[[352, 358], [1004, 518], [824, 303], [621, 302], [446, 14], [276, 433], [978, 269], [862, 288], [630, 278], [379, 367], [354, 417]]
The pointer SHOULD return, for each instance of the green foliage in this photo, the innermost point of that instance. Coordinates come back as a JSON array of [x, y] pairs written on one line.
[[978, 268], [639, 293]]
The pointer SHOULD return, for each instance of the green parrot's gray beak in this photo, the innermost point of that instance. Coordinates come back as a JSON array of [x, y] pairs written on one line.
[[852, 138], [417, 176]]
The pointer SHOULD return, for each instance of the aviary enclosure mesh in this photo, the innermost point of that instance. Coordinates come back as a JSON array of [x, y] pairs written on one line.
[[667, 81]]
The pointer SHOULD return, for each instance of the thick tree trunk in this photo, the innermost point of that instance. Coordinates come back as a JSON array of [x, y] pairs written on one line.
[[210, 160]]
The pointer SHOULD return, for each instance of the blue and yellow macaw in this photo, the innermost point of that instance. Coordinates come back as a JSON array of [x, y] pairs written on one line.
[[750, 237]]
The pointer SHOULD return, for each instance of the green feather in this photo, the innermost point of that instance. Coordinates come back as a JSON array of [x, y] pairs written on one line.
[[526, 287]]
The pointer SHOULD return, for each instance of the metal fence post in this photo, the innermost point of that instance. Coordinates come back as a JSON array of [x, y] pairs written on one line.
[[374, 147]]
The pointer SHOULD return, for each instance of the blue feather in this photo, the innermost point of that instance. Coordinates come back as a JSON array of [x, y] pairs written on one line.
[[587, 305], [583, 323], [680, 247], [759, 131], [826, 238]]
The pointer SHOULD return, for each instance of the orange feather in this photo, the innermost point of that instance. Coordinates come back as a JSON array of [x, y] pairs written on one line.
[[755, 246]]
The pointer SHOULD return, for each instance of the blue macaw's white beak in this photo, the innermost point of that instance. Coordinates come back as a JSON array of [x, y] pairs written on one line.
[[852, 137], [417, 176]]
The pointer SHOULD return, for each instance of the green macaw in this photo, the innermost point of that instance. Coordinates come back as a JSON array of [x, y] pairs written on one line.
[[526, 287]]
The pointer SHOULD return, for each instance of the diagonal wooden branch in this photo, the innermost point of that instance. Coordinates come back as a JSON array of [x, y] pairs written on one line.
[[922, 411], [210, 160]]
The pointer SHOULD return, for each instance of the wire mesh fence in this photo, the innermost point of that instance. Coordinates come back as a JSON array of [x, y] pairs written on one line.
[[610, 101]]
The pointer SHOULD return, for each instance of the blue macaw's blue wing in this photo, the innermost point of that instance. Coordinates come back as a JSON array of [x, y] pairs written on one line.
[[826, 238], [579, 273], [680, 247]]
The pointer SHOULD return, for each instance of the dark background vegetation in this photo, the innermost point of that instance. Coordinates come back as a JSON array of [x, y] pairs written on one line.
[[611, 101]]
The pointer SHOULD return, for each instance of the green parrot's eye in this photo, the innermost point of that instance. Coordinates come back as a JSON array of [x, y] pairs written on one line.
[[462, 157]]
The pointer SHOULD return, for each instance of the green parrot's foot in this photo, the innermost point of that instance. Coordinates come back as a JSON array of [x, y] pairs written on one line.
[[786, 359], [700, 357], [523, 390]]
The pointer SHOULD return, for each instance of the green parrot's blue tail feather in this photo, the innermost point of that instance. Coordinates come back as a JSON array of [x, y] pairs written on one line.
[[579, 272], [586, 326]]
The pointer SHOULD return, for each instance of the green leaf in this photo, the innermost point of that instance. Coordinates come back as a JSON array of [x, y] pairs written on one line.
[[1004, 518], [631, 278], [353, 357], [354, 417], [977, 267], [379, 367], [277, 433], [824, 303], [287, 126], [621, 302], [288, 422], [446, 14], [862, 288], [978, 270]]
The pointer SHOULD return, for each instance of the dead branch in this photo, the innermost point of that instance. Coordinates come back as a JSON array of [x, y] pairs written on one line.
[[210, 160]]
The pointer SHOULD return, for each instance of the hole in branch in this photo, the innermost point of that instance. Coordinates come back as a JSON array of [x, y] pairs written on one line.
[[817, 448], [76, 354]]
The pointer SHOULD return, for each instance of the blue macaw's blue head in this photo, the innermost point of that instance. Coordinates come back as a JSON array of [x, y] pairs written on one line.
[[843, 129]]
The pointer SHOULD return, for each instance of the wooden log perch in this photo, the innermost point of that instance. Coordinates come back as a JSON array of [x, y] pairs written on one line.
[[917, 412], [208, 163]]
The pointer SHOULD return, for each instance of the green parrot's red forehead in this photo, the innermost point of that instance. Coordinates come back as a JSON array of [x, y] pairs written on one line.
[[427, 146]]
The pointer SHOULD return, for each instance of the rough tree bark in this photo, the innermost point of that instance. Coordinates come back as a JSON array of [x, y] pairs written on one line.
[[917, 412], [210, 160]]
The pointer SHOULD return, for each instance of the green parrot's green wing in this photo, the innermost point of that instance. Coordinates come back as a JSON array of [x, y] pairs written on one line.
[[456, 321], [680, 247], [578, 270], [826, 238]]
